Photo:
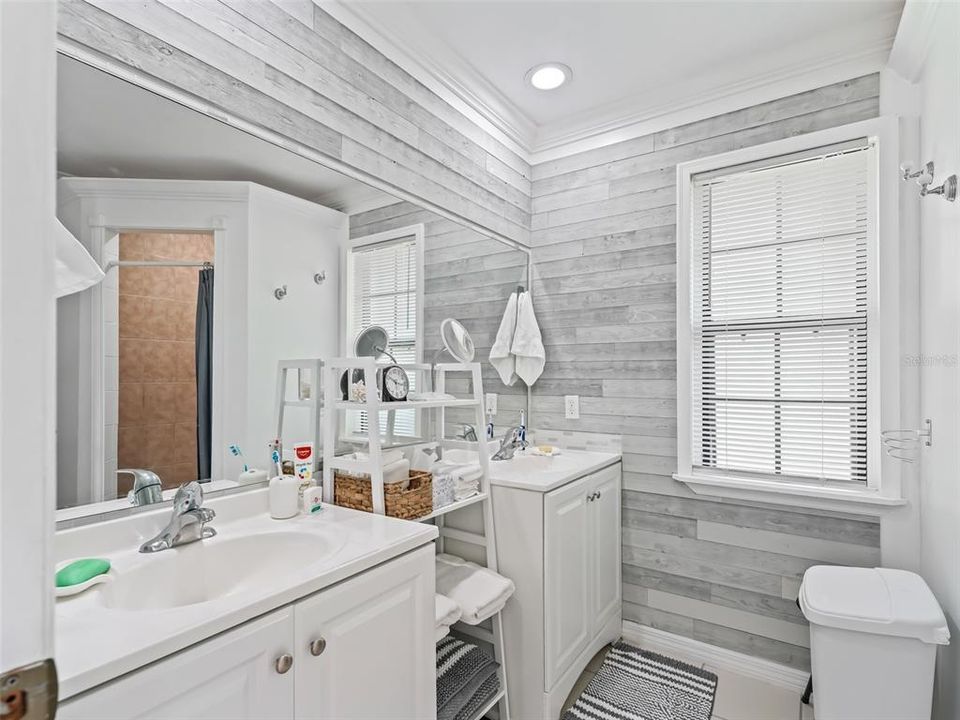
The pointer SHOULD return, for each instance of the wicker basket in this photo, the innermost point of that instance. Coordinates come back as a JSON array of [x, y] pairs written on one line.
[[416, 501]]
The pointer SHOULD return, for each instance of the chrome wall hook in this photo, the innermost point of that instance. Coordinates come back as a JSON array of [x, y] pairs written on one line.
[[319, 277], [947, 189], [280, 293], [904, 444], [923, 176]]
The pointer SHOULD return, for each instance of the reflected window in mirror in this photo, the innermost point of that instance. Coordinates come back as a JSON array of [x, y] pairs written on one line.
[[384, 286]]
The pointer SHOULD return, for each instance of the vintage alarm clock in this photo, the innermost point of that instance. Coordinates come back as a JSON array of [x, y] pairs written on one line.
[[393, 383]]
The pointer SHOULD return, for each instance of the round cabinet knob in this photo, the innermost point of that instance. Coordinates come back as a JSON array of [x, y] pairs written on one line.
[[284, 663], [318, 646]]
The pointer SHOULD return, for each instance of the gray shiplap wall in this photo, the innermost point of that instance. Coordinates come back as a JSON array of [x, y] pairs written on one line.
[[290, 67], [603, 232], [468, 277], [604, 264]]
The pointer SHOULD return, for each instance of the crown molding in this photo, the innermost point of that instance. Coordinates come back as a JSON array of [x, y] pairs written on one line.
[[914, 38], [711, 97], [439, 67], [481, 103]]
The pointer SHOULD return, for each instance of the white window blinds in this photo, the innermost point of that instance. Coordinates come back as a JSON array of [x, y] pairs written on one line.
[[779, 317], [383, 291]]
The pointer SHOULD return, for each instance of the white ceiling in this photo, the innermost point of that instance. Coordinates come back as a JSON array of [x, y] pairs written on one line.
[[107, 127], [628, 58]]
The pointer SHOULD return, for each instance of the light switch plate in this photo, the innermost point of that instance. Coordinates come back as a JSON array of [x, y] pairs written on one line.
[[491, 403], [571, 407]]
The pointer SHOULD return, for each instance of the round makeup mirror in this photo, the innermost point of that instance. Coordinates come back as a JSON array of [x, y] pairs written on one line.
[[457, 341], [372, 342]]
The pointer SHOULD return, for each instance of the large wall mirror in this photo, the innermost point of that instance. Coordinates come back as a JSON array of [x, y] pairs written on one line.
[[224, 254]]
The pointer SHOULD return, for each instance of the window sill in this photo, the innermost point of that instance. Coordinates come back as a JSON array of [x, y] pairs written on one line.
[[860, 502]]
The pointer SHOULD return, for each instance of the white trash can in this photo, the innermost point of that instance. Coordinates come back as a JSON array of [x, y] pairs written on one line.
[[873, 642]]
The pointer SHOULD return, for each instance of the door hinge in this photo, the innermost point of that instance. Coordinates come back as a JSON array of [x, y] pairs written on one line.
[[29, 692]]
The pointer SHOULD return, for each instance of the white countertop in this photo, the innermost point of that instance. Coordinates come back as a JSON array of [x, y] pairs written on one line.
[[95, 643], [543, 474]]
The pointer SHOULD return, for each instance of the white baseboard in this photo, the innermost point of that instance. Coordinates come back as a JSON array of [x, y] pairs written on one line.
[[720, 658]]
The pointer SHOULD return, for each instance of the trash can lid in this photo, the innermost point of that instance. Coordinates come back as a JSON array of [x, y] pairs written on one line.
[[882, 601]]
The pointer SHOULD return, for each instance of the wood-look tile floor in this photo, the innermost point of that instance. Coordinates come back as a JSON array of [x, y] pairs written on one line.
[[738, 697]]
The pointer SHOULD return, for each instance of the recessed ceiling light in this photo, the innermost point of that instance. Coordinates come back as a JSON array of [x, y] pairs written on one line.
[[548, 76]]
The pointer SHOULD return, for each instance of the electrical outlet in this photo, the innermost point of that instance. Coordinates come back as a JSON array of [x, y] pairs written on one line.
[[571, 407], [491, 403]]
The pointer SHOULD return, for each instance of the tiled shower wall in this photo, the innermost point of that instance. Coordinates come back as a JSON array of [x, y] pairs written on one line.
[[604, 269], [157, 367]]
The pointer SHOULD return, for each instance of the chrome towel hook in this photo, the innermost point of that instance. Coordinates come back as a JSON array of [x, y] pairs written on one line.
[[280, 293], [903, 444]]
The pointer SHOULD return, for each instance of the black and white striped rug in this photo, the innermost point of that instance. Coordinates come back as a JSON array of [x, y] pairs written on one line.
[[633, 684]]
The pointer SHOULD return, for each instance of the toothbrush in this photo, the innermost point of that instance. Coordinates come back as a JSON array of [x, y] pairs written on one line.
[[275, 456], [237, 452]]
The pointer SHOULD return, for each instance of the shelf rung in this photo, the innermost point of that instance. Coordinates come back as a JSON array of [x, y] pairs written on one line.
[[408, 404], [479, 497], [470, 538]]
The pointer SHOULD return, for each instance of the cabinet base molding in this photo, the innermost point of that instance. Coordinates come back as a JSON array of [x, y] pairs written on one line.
[[553, 700], [718, 658]]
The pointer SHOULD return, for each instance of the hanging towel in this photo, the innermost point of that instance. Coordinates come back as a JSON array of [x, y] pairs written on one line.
[[478, 591], [74, 268], [527, 345], [446, 613], [501, 354]]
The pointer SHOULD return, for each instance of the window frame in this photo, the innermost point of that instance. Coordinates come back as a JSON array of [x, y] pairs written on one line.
[[883, 487]]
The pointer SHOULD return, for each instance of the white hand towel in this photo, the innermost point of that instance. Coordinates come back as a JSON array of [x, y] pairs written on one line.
[[446, 613], [74, 268], [501, 355], [478, 591], [527, 344]]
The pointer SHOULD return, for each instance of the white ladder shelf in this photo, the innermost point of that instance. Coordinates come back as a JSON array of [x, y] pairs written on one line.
[[432, 424], [315, 367]]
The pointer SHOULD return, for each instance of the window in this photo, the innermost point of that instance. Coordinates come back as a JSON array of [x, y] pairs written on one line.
[[384, 281], [776, 326]]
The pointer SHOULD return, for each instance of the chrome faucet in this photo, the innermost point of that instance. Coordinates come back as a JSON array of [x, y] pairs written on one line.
[[189, 521], [512, 441], [469, 432], [147, 488]]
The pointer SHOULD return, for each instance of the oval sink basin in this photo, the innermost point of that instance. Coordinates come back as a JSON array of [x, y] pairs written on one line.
[[213, 568]]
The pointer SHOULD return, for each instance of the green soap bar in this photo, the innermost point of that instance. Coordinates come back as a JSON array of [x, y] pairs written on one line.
[[80, 571]]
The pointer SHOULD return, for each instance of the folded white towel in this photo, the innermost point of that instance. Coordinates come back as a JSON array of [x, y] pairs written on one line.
[[74, 267], [466, 474], [501, 354], [478, 591], [527, 346], [446, 613]]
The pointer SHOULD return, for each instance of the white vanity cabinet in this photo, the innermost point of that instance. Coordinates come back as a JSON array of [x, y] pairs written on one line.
[[561, 547], [365, 649], [360, 649], [233, 675]]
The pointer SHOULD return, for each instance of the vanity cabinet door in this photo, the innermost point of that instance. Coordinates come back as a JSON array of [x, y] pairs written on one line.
[[365, 648], [604, 544], [567, 619], [233, 676]]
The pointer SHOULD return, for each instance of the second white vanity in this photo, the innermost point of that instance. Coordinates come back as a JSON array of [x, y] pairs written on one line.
[[558, 538], [322, 616]]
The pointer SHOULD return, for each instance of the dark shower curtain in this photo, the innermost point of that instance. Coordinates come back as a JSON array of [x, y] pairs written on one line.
[[204, 356]]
